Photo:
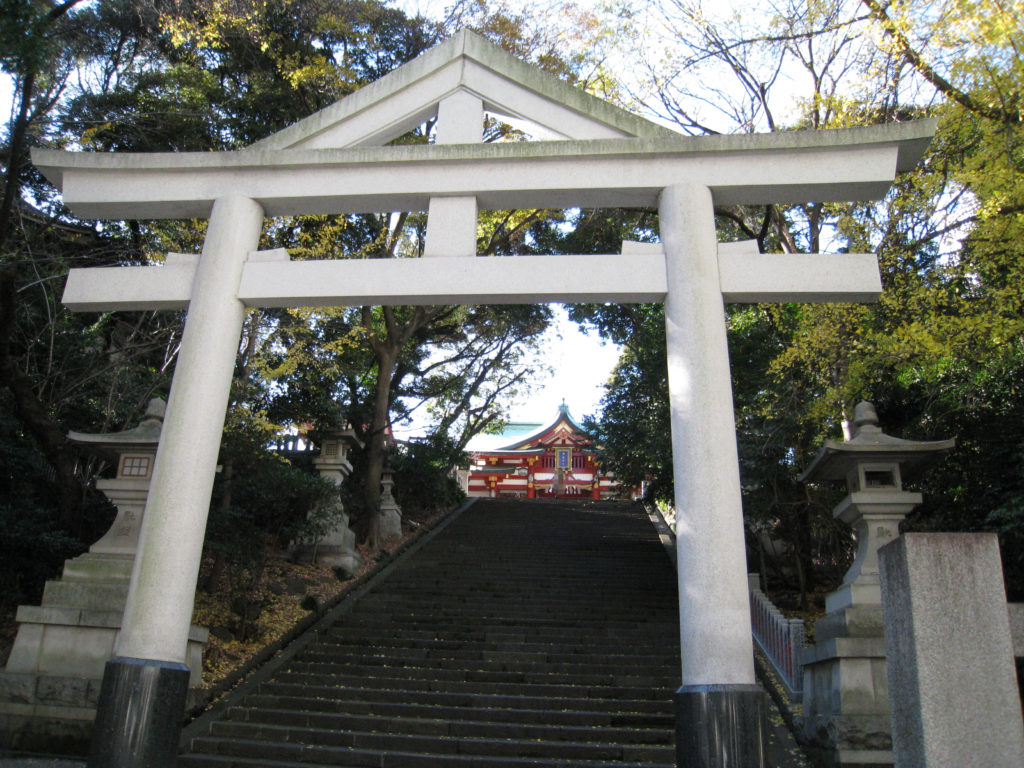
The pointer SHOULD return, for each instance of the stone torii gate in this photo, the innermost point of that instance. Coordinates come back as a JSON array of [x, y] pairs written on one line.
[[337, 162]]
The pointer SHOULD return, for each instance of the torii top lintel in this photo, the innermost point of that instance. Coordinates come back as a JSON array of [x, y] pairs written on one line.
[[336, 161]]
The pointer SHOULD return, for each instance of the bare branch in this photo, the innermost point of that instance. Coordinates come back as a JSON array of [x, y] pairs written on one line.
[[894, 33]]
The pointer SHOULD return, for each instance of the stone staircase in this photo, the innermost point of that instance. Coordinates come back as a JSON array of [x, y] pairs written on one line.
[[521, 634]]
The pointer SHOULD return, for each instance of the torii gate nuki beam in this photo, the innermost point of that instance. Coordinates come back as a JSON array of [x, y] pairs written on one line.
[[720, 706]]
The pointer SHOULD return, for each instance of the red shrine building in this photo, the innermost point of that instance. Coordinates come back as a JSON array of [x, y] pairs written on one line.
[[537, 461]]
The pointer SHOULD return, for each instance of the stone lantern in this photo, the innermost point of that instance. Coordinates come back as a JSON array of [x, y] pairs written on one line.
[[337, 547], [134, 453], [390, 512], [846, 698], [49, 687]]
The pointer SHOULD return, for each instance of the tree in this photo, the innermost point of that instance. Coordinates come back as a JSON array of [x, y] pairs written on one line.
[[249, 69], [120, 76], [934, 352], [470, 375], [635, 410], [30, 35], [397, 336]]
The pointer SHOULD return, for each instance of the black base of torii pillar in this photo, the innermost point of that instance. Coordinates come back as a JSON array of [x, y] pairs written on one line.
[[154, 693], [721, 726]]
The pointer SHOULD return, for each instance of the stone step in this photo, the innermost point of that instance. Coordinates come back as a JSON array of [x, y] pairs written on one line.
[[669, 668], [387, 708], [342, 653], [377, 749], [503, 630], [471, 674], [526, 604], [547, 591], [536, 592], [471, 698], [417, 620], [409, 684], [442, 643], [441, 743], [362, 758], [463, 722]]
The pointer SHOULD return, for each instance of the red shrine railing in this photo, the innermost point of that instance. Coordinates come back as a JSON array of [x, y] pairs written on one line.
[[780, 639]]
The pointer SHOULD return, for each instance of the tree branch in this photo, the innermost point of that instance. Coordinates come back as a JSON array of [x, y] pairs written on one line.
[[903, 46]]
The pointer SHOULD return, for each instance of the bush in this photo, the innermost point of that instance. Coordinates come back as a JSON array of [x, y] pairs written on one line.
[[423, 480], [34, 551], [33, 544], [261, 503]]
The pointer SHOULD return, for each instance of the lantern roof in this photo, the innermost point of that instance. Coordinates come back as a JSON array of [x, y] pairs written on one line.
[[145, 435], [869, 443]]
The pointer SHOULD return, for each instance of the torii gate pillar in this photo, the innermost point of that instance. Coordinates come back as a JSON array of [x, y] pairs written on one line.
[[720, 710], [147, 676]]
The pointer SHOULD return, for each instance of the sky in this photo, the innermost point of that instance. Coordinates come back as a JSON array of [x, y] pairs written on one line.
[[581, 365], [572, 367], [6, 95]]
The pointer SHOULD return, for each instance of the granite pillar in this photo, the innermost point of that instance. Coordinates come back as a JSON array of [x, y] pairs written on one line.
[[714, 608], [161, 594], [953, 683]]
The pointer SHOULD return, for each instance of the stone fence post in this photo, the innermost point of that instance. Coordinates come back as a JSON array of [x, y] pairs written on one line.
[[952, 682]]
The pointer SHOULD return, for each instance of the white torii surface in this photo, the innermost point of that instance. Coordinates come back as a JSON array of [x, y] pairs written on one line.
[[748, 169], [269, 279], [334, 162]]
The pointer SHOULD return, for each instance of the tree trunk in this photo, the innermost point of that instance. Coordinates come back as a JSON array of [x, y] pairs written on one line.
[[376, 448], [386, 347]]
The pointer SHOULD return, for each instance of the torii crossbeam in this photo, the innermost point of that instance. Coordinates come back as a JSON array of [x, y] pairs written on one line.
[[335, 162]]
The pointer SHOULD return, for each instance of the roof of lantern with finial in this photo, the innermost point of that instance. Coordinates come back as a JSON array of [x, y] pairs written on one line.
[[836, 458], [145, 435]]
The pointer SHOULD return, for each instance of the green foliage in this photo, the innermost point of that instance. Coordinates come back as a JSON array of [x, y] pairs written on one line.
[[262, 503], [263, 495], [476, 362], [237, 72], [423, 479], [273, 498], [980, 487], [32, 34], [940, 352], [633, 431], [211, 75], [34, 544], [35, 551]]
